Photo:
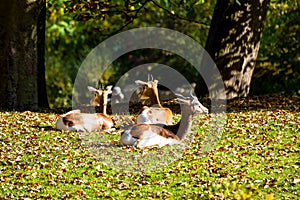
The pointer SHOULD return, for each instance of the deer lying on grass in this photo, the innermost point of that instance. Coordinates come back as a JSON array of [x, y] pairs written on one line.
[[84, 122], [156, 113], [147, 135], [88, 122]]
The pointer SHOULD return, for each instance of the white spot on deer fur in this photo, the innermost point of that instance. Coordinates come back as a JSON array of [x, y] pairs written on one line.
[[151, 138], [59, 123]]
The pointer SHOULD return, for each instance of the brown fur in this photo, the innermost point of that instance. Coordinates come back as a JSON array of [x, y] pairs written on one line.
[[101, 97], [82, 118], [160, 130], [107, 122], [142, 135], [150, 91]]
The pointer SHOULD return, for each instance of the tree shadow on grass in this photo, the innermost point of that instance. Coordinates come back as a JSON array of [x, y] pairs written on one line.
[[264, 102], [251, 103]]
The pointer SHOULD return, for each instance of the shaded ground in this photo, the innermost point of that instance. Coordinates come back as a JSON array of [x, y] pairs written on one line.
[[266, 102]]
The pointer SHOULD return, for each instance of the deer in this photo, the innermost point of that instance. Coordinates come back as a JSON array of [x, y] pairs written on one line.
[[117, 95], [149, 135], [157, 113], [74, 120], [87, 122], [101, 97]]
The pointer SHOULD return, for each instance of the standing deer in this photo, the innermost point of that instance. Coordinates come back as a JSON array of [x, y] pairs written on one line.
[[147, 135], [77, 121], [156, 113]]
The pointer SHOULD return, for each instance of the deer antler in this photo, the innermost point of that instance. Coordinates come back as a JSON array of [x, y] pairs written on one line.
[[191, 94], [150, 77]]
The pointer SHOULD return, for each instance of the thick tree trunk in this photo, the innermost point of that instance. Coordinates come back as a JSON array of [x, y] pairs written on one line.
[[233, 42], [42, 92], [19, 54]]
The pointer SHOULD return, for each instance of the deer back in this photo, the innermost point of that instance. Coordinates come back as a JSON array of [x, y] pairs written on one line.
[[155, 115], [84, 122], [147, 135]]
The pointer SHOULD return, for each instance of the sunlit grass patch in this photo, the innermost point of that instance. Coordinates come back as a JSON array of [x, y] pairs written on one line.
[[256, 157]]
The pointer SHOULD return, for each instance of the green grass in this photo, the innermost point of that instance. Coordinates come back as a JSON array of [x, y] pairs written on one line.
[[257, 157]]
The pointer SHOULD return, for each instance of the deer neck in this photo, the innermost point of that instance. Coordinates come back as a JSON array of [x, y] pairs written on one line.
[[154, 98], [104, 109], [184, 125], [103, 104]]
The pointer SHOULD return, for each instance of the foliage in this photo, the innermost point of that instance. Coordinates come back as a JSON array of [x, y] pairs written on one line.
[[75, 27], [256, 158], [277, 68], [65, 48]]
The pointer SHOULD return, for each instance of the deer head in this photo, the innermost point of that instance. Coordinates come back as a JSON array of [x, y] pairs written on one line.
[[101, 96], [157, 113], [193, 103], [149, 90]]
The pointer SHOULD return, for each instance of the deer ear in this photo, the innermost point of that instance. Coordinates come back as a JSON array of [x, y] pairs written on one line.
[[139, 82], [184, 101], [180, 96], [92, 89], [108, 88]]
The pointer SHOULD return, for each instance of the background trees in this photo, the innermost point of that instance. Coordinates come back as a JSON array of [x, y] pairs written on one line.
[[75, 27], [277, 69], [233, 42], [21, 58]]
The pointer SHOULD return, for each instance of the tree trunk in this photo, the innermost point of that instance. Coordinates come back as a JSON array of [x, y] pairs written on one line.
[[42, 92], [19, 71], [233, 43]]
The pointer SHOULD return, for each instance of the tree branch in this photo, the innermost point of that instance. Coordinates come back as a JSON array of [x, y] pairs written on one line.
[[174, 15], [130, 21]]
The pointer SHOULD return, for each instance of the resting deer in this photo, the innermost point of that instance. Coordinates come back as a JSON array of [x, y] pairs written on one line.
[[147, 135], [84, 122], [157, 113], [77, 121]]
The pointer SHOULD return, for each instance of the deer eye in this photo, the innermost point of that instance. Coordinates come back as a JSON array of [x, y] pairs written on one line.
[[196, 104]]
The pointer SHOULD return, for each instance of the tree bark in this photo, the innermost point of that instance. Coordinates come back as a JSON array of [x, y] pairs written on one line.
[[42, 92], [19, 54], [233, 43]]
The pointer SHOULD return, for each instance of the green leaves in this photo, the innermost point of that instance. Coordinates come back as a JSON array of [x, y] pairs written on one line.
[[74, 28], [277, 67]]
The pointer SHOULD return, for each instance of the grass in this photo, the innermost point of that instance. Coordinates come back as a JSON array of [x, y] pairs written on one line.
[[257, 157]]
